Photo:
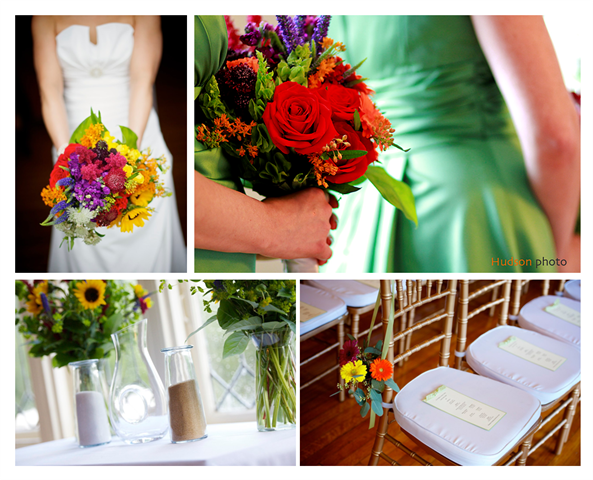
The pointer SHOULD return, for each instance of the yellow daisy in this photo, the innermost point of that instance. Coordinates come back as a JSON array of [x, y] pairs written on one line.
[[139, 291], [133, 218], [353, 371], [90, 293]]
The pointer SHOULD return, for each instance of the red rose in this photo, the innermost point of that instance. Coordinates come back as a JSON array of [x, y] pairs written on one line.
[[349, 170], [344, 101], [58, 173], [299, 118]]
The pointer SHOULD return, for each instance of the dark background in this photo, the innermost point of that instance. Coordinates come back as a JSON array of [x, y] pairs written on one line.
[[33, 145]]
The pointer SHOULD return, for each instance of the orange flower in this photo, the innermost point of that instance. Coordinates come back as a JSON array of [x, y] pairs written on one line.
[[381, 369]]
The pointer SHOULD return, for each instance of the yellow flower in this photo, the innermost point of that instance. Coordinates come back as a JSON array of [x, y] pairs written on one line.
[[128, 170], [139, 291], [90, 293], [110, 140], [34, 304], [92, 135], [133, 155], [142, 199], [133, 218], [123, 149], [353, 371], [148, 301]]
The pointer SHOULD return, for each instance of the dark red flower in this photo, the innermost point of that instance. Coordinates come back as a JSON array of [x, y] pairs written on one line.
[[115, 180], [349, 170], [344, 101], [349, 352]]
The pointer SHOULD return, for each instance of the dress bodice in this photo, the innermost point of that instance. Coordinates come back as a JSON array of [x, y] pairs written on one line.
[[96, 75]]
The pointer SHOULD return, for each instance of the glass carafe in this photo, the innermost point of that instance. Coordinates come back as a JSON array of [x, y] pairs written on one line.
[[186, 412], [137, 404], [90, 418]]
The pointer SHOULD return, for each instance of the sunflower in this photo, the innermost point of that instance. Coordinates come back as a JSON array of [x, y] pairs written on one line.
[[142, 198], [35, 304], [90, 293], [353, 371], [381, 369], [133, 218]]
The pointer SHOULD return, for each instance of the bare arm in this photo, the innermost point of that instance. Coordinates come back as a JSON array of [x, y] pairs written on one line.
[[293, 226], [146, 57], [50, 80], [523, 61]]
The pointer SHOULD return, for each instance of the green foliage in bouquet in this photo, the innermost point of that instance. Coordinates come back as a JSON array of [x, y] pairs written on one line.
[[247, 307], [129, 138], [75, 319]]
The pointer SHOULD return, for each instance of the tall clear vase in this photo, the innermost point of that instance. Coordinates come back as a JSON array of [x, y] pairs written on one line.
[[275, 380], [138, 405]]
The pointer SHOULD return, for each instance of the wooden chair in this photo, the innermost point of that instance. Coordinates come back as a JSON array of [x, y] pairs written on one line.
[[558, 389], [333, 314], [436, 431]]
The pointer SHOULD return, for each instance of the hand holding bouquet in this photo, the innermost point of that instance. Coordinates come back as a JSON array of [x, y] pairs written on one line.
[[101, 182], [292, 114]]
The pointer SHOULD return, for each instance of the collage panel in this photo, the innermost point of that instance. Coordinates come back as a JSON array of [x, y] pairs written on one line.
[[104, 97], [440, 372], [128, 372]]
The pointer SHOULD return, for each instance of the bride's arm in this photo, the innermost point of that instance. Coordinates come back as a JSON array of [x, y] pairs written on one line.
[[293, 226], [523, 61], [50, 80], [148, 48]]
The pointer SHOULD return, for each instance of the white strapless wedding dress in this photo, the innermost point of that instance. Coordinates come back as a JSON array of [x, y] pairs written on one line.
[[98, 76]]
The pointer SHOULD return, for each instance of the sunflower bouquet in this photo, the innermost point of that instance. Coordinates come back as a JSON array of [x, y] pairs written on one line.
[[101, 182], [290, 113], [74, 320]]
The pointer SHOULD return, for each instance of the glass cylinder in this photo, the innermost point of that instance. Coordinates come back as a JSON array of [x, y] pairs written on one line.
[[275, 380], [90, 413], [186, 412], [137, 403]]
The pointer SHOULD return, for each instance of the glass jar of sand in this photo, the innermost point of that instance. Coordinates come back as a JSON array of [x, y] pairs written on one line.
[[186, 412], [90, 419]]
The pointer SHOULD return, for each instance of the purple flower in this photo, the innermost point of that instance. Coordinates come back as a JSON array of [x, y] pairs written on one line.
[[218, 285], [65, 182], [45, 303], [321, 28], [90, 194], [62, 218], [252, 35], [58, 207], [289, 33]]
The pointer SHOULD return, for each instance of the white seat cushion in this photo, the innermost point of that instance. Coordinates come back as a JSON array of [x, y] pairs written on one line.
[[572, 290], [354, 293], [332, 306], [534, 317], [486, 358], [460, 441]]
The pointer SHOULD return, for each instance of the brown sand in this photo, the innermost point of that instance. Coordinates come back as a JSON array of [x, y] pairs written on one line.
[[186, 413]]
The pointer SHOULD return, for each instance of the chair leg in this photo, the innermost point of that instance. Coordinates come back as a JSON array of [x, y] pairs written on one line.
[[379, 439], [402, 341], [409, 337], [569, 416], [342, 393], [494, 297], [525, 447], [545, 287], [354, 326]]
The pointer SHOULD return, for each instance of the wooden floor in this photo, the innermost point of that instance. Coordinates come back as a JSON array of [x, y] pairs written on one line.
[[333, 433]]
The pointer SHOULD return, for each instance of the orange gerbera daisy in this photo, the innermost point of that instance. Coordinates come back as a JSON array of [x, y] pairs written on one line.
[[381, 369]]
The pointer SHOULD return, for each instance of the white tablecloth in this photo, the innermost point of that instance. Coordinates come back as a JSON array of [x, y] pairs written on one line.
[[227, 444]]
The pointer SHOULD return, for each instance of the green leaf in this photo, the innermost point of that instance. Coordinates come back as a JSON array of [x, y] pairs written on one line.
[[357, 124], [365, 409], [84, 125], [227, 315], [273, 325], [272, 308], [350, 154], [212, 319], [286, 293], [253, 304], [249, 324], [113, 322], [395, 192], [129, 138], [379, 386], [372, 350], [291, 325], [391, 384], [359, 396], [375, 396], [235, 344], [344, 188], [351, 337], [377, 407]]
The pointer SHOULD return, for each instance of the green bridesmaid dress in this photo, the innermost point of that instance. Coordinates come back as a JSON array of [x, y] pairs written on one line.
[[210, 51], [476, 211]]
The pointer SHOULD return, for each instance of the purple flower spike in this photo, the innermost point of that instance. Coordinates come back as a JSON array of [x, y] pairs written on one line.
[[45, 303], [58, 207], [65, 182], [299, 26], [321, 28], [62, 219], [289, 33]]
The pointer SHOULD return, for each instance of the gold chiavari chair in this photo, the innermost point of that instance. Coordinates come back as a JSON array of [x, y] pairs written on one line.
[[331, 312], [450, 440], [555, 389]]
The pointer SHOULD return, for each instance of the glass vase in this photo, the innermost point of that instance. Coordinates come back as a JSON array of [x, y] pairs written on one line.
[[186, 411], [275, 380], [90, 412], [137, 403]]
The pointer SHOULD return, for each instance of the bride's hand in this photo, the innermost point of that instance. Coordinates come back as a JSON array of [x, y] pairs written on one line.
[[302, 222]]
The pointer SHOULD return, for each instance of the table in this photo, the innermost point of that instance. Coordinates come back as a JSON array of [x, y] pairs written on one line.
[[227, 444]]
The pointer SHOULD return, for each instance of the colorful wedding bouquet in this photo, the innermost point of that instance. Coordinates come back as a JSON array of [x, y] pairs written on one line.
[[366, 372], [292, 114], [75, 319], [101, 182]]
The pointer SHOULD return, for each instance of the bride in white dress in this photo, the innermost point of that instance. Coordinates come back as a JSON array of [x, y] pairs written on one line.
[[109, 64]]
